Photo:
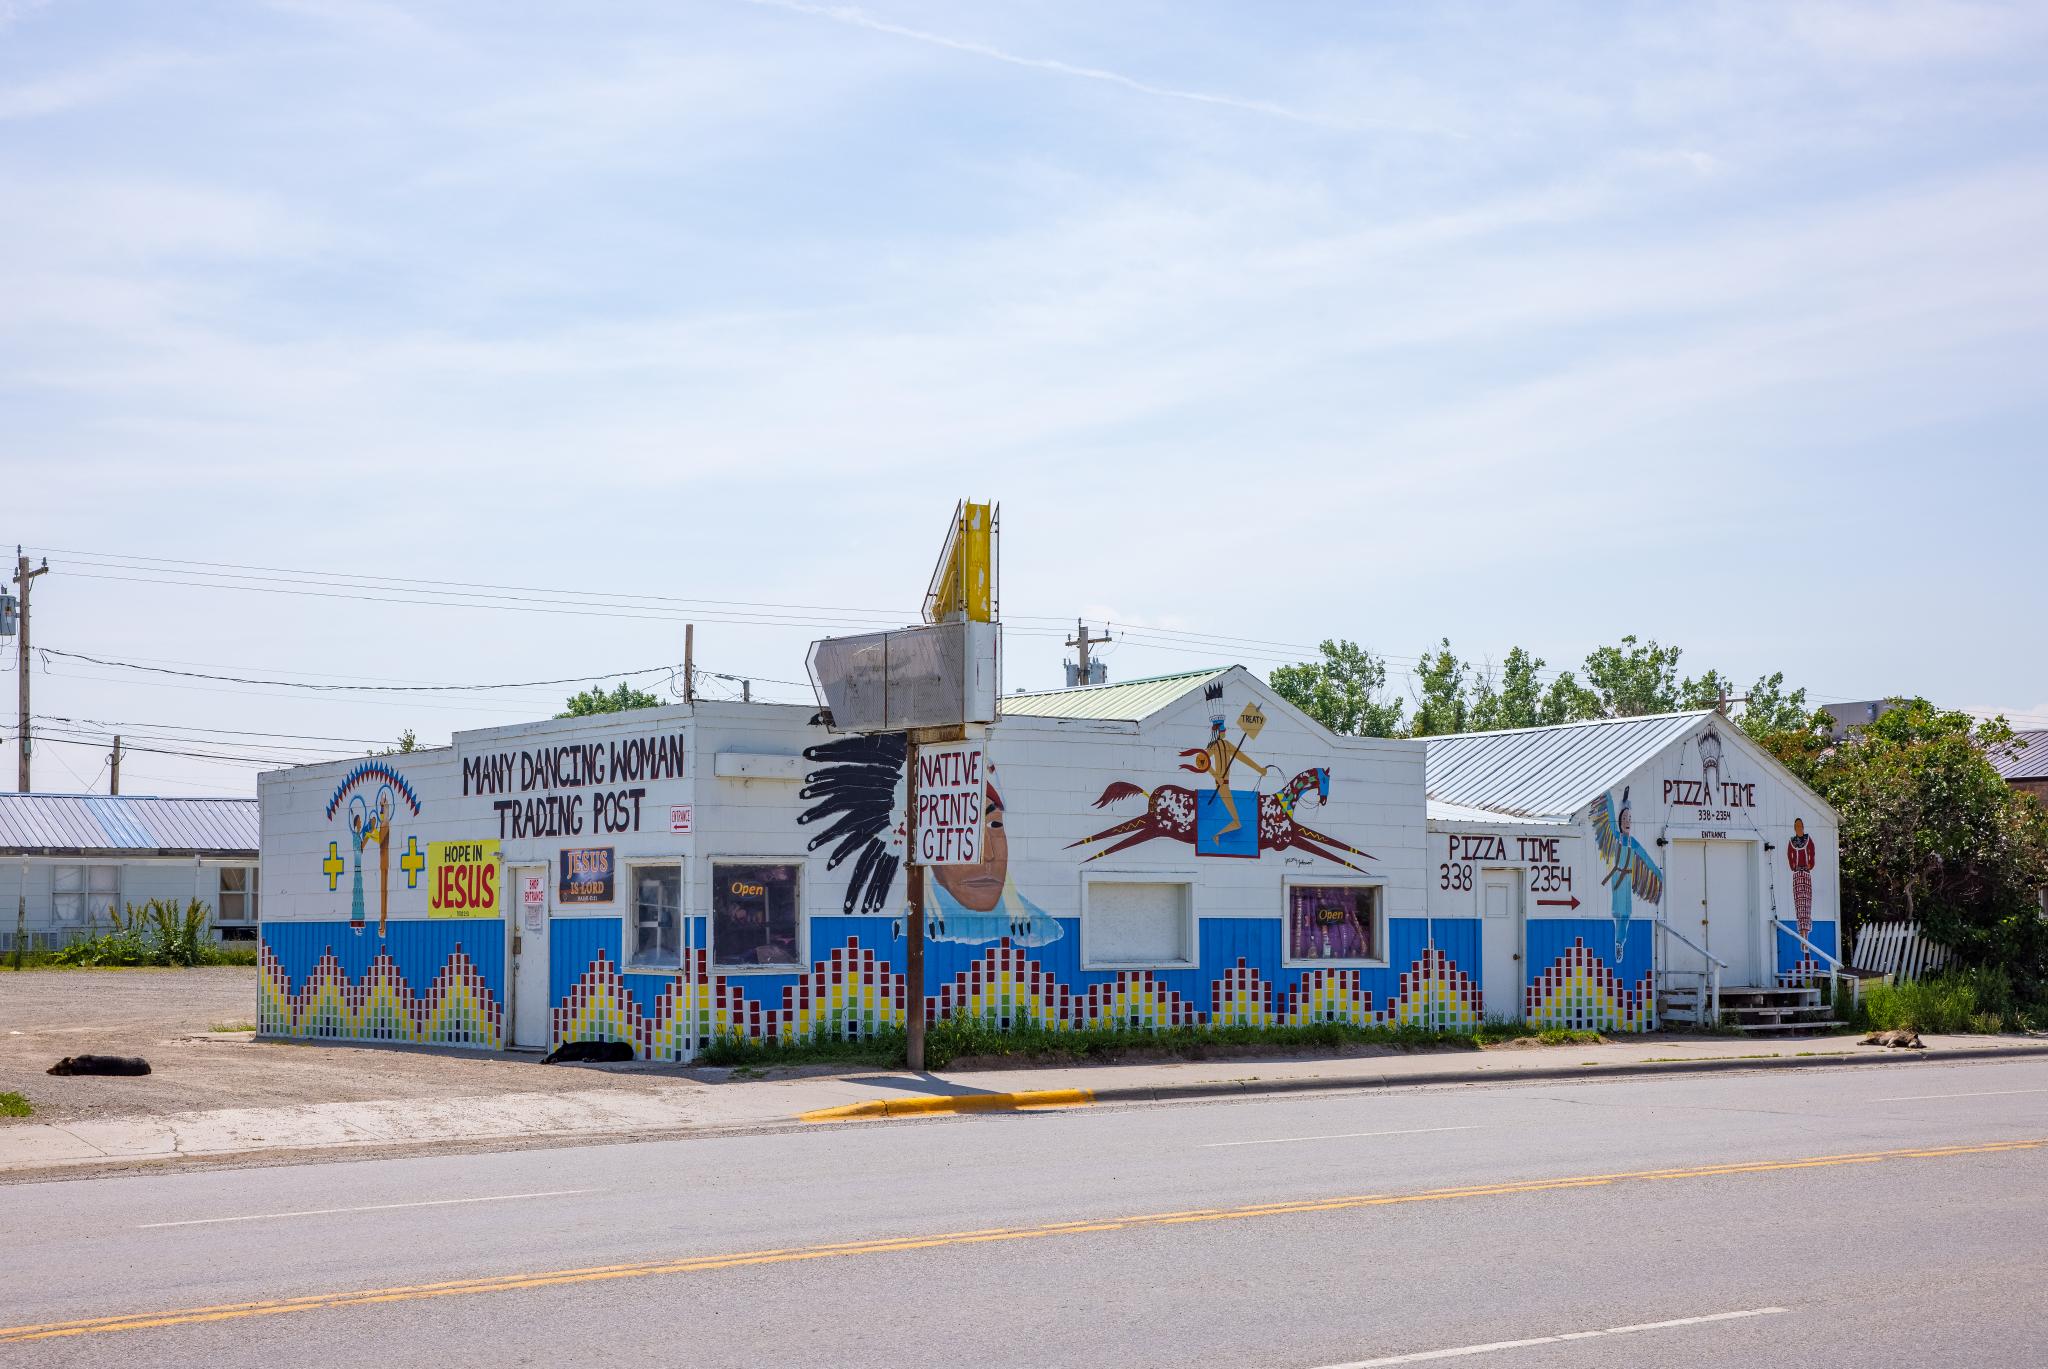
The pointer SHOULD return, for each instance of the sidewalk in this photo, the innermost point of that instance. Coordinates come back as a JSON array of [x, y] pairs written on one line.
[[706, 1102]]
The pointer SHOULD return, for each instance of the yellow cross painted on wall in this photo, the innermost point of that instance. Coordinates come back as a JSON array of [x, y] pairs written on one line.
[[333, 866], [412, 862]]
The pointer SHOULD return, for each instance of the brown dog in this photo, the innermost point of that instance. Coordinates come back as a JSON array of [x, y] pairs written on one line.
[[1906, 1040]]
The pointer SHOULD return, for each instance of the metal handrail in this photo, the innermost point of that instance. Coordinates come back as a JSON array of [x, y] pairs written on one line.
[[1837, 970], [1711, 977]]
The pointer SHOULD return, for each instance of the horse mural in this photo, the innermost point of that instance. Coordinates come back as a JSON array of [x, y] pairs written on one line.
[[1171, 811]]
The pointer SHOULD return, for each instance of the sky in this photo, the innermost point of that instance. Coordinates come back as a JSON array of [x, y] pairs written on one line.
[[1516, 324]]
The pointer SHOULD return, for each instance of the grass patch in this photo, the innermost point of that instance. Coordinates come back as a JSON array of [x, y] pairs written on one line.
[[14, 1105], [160, 933], [232, 1027], [986, 1037], [1980, 1000]]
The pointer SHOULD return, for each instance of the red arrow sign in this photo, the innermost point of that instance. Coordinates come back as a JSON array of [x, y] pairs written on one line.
[[1571, 902]]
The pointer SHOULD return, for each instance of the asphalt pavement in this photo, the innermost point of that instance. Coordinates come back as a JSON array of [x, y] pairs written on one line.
[[1796, 1217]]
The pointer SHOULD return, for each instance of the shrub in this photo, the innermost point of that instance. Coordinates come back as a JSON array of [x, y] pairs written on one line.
[[160, 932], [1979, 1000]]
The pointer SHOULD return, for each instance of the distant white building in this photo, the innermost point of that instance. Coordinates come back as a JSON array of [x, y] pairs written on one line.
[[66, 858]]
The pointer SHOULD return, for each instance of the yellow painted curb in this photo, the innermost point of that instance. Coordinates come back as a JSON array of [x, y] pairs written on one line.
[[966, 1102]]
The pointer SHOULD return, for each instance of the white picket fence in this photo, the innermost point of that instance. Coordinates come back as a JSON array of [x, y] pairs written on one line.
[[1896, 949]]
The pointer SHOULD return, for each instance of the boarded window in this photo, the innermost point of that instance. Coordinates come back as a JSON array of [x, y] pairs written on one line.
[[754, 910], [1139, 923], [1334, 922], [657, 917]]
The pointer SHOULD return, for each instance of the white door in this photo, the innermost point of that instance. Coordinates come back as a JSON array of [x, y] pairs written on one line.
[[1710, 897], [1500, 931], [529, 915]]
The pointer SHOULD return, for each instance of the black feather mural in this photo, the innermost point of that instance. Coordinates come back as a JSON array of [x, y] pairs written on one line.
[[855, 796]]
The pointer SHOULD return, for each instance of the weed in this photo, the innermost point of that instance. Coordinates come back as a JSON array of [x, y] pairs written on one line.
[[956, 1038], [232, 1027], [160, 932], [14, 1105], [1978, 1000]]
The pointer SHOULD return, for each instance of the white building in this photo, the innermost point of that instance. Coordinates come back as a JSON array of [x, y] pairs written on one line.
[[66, 858], [667, 875]]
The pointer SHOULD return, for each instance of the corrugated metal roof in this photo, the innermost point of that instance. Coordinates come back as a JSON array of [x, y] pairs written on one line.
[[1458, 812], [1546, 772], [2016, 762], [1127, 701], [33, 823]]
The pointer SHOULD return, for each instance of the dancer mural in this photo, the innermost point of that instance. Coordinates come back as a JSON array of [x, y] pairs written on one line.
[[1800, 854], [1630, 870], [371, 821]]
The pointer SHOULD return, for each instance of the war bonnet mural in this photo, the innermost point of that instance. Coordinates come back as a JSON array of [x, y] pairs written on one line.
[[860, 793]]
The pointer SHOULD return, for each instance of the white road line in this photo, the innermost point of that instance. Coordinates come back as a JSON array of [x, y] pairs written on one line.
[[1458, 1352], [1987, 1093], [1340, 1136], [371, 1207]]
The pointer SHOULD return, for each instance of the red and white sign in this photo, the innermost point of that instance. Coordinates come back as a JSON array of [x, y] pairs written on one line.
[[533, 898], [679, 816], [952, 794]]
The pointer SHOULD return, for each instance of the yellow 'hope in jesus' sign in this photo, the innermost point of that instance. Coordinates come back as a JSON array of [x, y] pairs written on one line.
[[462, 878]]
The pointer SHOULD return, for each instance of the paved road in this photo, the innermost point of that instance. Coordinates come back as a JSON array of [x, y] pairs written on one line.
[[1299, 1233]]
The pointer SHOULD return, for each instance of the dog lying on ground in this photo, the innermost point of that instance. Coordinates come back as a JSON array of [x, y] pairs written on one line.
[[101, 1064], [588, 1052], [1908, 1040]]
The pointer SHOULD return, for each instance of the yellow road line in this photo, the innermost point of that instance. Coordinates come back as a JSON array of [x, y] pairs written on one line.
[[504, 1283]]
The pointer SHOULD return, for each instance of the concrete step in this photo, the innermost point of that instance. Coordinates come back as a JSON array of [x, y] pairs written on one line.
[[1759, 1028]]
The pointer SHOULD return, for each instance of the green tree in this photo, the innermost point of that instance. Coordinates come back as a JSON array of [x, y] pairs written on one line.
[[1440, 703], [1634, 678], [1568, 701], [1771, 708], [1931, 833], [1520, 699], [407, 742], [1342, 691], [595, 700]]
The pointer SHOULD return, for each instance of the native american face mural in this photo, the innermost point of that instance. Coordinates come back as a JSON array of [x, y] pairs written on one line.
[[371, 813]]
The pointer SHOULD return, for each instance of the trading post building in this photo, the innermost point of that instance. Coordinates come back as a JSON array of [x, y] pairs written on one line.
[[1184, 850]]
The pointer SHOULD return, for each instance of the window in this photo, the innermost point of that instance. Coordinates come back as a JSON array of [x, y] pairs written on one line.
[[754, 913], [1335, 922], [237, 894], [657, 917], [1133, 922], [85, 891]]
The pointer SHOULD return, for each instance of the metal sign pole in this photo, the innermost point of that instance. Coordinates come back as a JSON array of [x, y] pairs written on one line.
[[913, 958]]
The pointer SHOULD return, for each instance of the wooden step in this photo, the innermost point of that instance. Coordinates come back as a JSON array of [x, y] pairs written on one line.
[[1752, 1028]]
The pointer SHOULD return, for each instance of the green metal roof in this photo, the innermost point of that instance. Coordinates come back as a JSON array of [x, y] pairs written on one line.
[[1127, 701]]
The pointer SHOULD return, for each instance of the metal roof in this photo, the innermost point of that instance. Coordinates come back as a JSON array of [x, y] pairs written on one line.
[[1546, 772], [1458, 812], [1127, 701], [36, 824], [2025, 757]]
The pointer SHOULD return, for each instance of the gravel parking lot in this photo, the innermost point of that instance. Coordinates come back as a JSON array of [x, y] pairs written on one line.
[[167, 1017]]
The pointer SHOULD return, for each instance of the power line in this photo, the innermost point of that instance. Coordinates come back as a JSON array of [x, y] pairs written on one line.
[[112, 726], [350, 688]]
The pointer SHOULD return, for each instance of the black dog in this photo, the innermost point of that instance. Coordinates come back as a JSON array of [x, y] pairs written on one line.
[[101, 1064], [588, 1052]]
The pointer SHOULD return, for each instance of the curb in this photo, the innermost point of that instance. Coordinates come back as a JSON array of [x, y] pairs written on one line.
[[1028, 1099]]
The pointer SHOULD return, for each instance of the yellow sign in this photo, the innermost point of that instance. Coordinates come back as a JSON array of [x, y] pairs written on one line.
[[964, 583], [462, 878], [1252, 721]]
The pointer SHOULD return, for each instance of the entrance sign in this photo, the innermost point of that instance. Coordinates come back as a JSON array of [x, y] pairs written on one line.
[[952, 792], [462, 878]]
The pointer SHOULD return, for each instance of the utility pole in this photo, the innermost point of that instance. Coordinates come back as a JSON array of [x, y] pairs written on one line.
[[25, 577], [1081, 641], [114, 767], [689, 663], [746, 691]]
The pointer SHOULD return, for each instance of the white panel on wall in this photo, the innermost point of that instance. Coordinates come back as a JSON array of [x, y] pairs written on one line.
[[1134, 923]]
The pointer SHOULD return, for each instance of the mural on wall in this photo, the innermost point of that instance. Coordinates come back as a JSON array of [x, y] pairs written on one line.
[[1630, 870], [1210, 821], [859, 791], [370, 819], [1800, 854]]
